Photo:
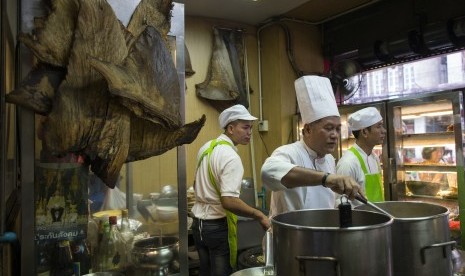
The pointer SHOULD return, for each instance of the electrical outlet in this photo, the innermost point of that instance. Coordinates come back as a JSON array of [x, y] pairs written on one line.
[[263, 125]]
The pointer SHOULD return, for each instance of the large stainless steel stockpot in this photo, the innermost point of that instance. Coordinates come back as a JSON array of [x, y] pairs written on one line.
[[310, 242], [420, 238]]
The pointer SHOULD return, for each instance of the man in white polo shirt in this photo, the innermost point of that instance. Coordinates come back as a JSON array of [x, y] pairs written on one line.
[[217, 187]]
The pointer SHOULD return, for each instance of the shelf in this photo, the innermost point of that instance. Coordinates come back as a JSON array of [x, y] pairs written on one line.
[[438, 168], [439, 138], [429, 197]]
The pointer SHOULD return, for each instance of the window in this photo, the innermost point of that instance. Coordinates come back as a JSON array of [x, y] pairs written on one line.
[[439, 73]]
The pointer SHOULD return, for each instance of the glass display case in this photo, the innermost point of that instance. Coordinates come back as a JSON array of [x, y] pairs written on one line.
[[426, 150]]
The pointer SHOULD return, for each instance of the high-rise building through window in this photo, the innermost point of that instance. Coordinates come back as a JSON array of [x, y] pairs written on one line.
[[434, 74]]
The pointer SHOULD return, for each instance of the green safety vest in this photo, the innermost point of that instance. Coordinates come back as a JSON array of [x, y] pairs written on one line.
[[373, 184], [231, 217]]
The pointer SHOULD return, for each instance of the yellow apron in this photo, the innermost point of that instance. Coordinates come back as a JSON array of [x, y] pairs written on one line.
[[373, 184], [231, 217]]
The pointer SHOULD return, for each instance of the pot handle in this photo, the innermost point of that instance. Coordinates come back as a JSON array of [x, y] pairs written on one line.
[[442, 244], [268, 269], [303, 259]]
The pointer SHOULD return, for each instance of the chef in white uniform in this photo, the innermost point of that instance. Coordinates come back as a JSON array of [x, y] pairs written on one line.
[[302, 175], [359, 161]]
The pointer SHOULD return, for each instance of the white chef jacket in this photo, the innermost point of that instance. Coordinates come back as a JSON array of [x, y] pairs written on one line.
[[228, 171], [280, 163], [350, 165]]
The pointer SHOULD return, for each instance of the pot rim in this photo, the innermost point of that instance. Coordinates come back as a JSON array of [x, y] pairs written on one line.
[[412, 219], [334, 229]]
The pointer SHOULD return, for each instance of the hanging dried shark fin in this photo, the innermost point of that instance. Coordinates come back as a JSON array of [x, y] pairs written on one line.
[[220, 83], [187, 60], [147, 83], [37, 90], [50, 42], [156, 13], [234, 44], [52, 38], [148, 139], [84, 118]]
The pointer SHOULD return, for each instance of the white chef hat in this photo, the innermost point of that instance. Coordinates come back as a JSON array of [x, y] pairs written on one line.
[[316, 98], [233, 113], [364, 118]]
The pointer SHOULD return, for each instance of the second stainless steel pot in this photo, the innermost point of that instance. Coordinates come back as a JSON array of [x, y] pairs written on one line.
[[310, 242], [420, 238]]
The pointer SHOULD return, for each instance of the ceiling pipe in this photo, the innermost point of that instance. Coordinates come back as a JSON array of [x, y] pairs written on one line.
[[277, 20], [326, 19]]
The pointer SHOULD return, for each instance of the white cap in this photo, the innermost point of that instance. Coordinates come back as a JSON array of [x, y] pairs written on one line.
[[235, 112], [316, 98], [364, 118]]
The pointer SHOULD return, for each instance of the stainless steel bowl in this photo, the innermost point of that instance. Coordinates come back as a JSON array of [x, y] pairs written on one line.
[[155, 253], [423, 187]]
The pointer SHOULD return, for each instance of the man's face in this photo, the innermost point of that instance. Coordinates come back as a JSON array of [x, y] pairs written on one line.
[[240, 131], [375, 134], [322, 135]]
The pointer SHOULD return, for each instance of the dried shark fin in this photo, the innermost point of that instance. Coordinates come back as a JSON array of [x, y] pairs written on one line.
[[148, 139], [234, 44], [53, 37], [188, 65], [37, 90], [84, 118], [111, 151], [155, 13], [147, 83], [220, 84]]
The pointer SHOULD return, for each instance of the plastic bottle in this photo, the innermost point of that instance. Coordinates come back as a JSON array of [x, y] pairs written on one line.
[[111, 249], [127, 234]]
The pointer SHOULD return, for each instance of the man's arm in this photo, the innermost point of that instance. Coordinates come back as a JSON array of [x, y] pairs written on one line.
[[341, 184], [240, 208]]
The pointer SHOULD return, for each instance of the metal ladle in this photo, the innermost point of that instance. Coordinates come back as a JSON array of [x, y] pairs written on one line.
[[365, 201]]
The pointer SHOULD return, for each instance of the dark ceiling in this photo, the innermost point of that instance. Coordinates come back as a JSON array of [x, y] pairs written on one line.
[[375, 32], [255, 12]]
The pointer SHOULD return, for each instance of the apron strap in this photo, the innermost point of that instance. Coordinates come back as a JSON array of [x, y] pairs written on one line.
[[373, 183], [360, 159], [231, 217]]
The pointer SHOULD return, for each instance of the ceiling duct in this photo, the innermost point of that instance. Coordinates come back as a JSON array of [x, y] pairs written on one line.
[[456, 31], [393, 49], [428, 40], [434, 37], [367, 58]]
